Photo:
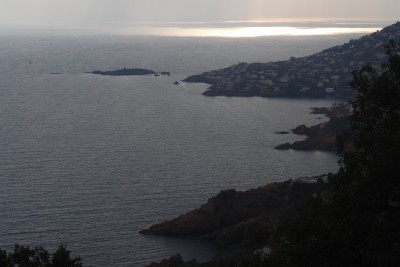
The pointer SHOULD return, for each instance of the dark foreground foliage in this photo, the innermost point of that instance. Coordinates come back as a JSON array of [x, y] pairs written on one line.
[[23, 256]]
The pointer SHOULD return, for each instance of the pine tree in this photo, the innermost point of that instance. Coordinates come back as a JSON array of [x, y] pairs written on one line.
[[356, 221]]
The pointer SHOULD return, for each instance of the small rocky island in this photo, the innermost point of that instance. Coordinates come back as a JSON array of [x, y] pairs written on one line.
[[130, 72]]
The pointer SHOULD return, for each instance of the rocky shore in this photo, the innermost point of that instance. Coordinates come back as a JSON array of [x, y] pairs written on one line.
[[235, 217], [322, 136]]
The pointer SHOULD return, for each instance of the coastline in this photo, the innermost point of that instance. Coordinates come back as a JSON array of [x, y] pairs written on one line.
[[236, 217], [322, 136], [325, 73]]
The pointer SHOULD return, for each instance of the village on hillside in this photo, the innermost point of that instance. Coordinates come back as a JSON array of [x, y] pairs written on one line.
[[326, 73]]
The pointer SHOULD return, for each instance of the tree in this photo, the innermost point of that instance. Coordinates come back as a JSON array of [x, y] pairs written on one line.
[[4, 259], [62, 258], [24, 256], [373, 167], [356, 221], [368, 182]]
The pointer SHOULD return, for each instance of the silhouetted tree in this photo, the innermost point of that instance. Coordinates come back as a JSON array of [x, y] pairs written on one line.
[[62, 258], [367, 185], [24, 256], [356, 222], [4, 259]]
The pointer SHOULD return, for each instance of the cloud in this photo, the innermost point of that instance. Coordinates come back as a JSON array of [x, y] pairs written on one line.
[[87, 12]]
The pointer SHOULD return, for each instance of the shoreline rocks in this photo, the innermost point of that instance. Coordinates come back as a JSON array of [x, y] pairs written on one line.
[[322, 136]]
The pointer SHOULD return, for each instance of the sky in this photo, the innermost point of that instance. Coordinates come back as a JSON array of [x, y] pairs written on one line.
[[119, 13]]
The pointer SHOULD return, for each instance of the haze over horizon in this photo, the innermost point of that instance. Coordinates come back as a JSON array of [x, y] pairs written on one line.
[[130, 16]]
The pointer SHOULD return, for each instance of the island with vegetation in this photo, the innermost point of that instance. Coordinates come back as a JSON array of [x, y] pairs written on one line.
[[326, 73], [130, 72]]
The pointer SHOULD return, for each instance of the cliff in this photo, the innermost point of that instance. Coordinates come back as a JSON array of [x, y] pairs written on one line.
[[326, 73], [234, 217]]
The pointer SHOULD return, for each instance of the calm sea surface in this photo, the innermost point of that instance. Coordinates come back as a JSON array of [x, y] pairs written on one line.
[[90, 160]]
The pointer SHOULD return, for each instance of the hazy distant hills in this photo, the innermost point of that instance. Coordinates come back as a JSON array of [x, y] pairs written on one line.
[[321, 74]]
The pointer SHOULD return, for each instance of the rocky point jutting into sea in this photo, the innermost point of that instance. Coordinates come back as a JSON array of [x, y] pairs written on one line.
[[323, 135], [326, 73], [233, 217]]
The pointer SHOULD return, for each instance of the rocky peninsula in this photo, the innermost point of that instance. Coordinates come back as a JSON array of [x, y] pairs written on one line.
[[235, 217]]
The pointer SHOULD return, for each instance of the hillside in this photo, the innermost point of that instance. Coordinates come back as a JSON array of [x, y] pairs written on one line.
[[321, 74], [233, 217]]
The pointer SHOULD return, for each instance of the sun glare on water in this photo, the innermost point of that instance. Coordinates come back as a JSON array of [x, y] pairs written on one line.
[[238, 32]]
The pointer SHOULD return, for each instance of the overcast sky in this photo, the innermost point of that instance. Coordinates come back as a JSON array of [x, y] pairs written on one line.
[[86, 12]]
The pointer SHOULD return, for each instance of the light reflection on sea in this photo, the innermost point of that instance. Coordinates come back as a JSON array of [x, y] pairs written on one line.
[[240, 32], [251, 28]]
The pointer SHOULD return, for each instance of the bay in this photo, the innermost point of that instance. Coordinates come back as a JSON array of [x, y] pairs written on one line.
[[90, 160]]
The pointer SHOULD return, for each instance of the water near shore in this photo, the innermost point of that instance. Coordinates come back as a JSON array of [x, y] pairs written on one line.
[[90, 160]]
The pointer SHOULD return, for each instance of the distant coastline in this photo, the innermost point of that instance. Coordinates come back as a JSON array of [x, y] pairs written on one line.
[[322, 74]]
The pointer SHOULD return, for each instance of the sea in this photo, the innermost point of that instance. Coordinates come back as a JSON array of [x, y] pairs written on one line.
[[89, 160]]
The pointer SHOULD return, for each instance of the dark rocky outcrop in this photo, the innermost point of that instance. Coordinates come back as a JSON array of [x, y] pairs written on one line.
[[199, 79], [319, 137], [234, 217], [125, 72], [322, 136], [326, 73]]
